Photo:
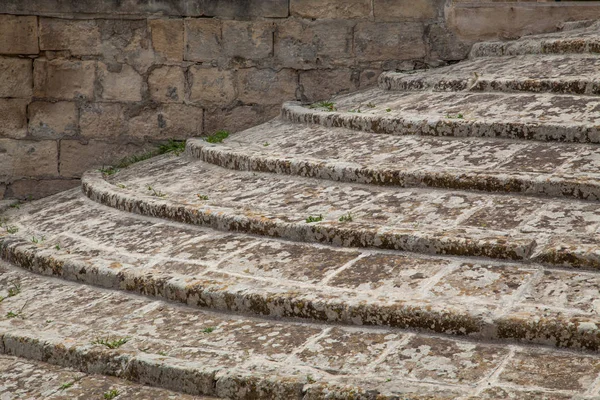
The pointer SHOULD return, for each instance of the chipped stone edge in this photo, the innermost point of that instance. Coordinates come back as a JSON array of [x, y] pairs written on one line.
[[546, 185], [442, 127], [246, 298], [223, 219], [533, 45]]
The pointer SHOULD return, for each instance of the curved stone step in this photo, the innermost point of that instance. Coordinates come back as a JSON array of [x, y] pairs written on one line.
[[339, 154], [507, 227], [539, 117], [570, 74], [75, 239], [577, 41], [204, 353]]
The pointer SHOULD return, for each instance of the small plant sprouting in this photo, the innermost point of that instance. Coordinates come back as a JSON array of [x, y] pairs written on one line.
[[266, 144], [388, 110], [14, 290], [16, 205], [11, 229], [324, 104], [310, 379], [163, 353], [455, 116], [355, 110], [67, 385], [120, 185], [312, 219], [156, 193], [36, 240], [18, 314], [172, 146], [111, 394], [109, 170], [111, 344], [57, 247], [217, 137], [210, 329], [371, 105], [346, 218], [202, 197]]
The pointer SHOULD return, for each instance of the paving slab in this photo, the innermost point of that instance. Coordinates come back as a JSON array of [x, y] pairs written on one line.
[[204, 353], [233, 272], [27, 379], [337, 154], [506, 227]]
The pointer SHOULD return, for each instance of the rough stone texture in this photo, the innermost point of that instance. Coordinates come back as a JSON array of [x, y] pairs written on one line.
[[387, 41], [167, 84], [14, 118], [394, 10], [167, 38], [322, 84], [18, 35], [119, 82], [211, 86], [238, 118], [62, 79], [268, 87], [20, 158], [16, 79], [52, 120], [79, 37], [102, 121], [27, 189], [203, 39], [170, 121], [247, 40], [330, 9]]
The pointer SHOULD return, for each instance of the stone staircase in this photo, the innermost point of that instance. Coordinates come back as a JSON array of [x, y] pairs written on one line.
[[434, 237]]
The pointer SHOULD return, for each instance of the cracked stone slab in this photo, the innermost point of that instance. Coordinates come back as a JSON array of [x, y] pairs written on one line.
[[338, 154], [224, 355], [234, 272], [28, 379], [572, 74], [508, 227]]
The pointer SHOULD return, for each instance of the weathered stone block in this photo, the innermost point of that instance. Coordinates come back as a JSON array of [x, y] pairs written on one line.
[[399, 10], [445, 45], [127, 42], [307, 44], [102, 121], [77, 157], [239, 8], [322, 84], [169, 121], [79, 37], [13, 114], [202, 39], [266, 86], [167, 38], [38, 188], [119, 82], [167, 84], [389, 41], [64, 79], [249, 40], [334, 9], [16, 77], [211, 86], [52, 120], [18, 35], [27, 158], [239, 118]]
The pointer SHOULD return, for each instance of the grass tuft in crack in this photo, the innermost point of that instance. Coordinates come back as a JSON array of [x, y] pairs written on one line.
[[217, 137], [171, 146], [111, 344], [312, 219]]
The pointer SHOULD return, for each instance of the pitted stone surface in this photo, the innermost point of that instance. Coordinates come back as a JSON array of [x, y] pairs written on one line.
[[339, 154], [235, 357], [26, 379], [250, 274]]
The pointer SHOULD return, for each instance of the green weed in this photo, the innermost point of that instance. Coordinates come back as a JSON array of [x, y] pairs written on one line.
[[346, 218], [217, 137], [111, 344], [312, 219], [324, 104], [111, 394]]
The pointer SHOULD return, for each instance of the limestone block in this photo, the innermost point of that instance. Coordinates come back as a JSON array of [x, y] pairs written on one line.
[[79, 37], [240, 8], [322, 84], [27, 158], [399, 10], [52, 120], [18, 35], [266, 86], [64, 79], [169, 121], [334, 9], [167, 84], [13, 114], [445, 45], [102, 121], [249, 40], [202, 39], [38, 188], [389, 41], [211, 86], [239, 118], [307, 44], [119, 82], [167, 38], [76, 157], [16, 77]]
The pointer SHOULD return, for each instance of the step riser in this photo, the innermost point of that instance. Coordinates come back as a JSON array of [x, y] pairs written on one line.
[[442, 127], [222, 296], [567, 46], [385, 177], [98, 190]]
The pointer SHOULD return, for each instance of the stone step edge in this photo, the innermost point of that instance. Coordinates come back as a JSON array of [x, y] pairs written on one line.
[[395, 81], [220, 295], [441, 127], [535, 45], [545, 185], [101, 191]]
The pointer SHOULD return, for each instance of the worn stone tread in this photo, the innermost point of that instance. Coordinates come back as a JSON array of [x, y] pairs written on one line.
[[535, 116], [338, 154], [203, 353], [507, 227], [255, 275], [572, 74], [28, 379]]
